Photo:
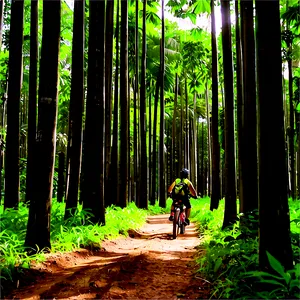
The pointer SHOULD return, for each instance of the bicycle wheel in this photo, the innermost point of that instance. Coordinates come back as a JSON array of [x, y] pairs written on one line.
[[175, 224], [182, 228]]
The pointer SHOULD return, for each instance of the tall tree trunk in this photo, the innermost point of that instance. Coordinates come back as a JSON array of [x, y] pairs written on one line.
[[150, 141], [95, 124], [186, 141], [32, 97], [76, 108], [124, 103], [174, 133], [291, 131], [215, 191], [61, 176], [11, 198], [230, 184], [136, 153], [108, 93], [143, 170], [162, 180], [114, 150], [274, 235], [38, 235], [1, 21], [297, 117], [208, 142], [154, 160], [239, 102], [249, 199]]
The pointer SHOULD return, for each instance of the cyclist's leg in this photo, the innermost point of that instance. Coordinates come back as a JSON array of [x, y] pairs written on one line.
[[171, 218], [187, 210]]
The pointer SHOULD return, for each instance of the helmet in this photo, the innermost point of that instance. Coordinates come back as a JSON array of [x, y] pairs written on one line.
[[184, 173]]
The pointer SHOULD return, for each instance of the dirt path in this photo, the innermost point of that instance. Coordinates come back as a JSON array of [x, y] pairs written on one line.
[[147, 265]]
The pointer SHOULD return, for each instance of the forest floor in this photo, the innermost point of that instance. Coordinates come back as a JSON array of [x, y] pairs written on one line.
[[148, 264]]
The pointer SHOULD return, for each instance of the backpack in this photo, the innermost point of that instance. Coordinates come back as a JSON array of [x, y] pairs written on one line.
[[180, 191]]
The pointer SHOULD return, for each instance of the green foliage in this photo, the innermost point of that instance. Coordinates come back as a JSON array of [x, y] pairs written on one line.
[[270, 285], [12, 235], [156, 209], [66, 235], [230, 262]]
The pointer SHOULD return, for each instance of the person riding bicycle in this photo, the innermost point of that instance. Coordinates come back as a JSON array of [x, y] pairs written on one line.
[[191, 192]]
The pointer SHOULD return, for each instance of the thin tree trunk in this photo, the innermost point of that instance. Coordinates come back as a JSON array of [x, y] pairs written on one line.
[[230, 194], [76, 109], [239, 102], [274, 235], [143, 171], [108, 93], [174, 133], [215, 191], [114, 150], [12, 153], [186, 143], [136, 100], [291, 131], [298, 152], [61, 176], [162, 180], [124, 106], [208, 142], [32, 110], [1, 21], [154, 158], [150, 141]]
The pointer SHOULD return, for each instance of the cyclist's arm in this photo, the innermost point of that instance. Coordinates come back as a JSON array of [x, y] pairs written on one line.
[[171, 187], [192, 190]]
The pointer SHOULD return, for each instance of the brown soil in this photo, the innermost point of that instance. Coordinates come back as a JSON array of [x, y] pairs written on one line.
[[148, 264]]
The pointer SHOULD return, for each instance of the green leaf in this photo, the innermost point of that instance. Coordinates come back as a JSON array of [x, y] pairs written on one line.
[[276, 265], [271, 281], [217, 264]]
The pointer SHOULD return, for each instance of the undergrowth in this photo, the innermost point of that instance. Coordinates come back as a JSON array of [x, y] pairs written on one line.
[[66, 235], [230, 262]]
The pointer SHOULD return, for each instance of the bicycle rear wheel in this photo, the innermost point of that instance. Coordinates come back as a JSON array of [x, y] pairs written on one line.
[[175, 224]]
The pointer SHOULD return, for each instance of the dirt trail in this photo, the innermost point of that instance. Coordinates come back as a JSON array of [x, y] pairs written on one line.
[[148, 264]]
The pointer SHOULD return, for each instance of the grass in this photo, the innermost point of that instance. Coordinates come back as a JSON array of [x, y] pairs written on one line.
[[230, 262], [66, 235]]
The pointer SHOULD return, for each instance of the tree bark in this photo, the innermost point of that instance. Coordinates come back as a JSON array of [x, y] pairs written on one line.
[[154, 160], [32, 102], [124, 103], [230, 184], [143, 171], [39, 233], [61, 177], [215, 194], [274, 236], [12, 153], [95, 122], [108, 93], [76, 108], [162, 170], [1, 21], [249, 199], [114, 150]]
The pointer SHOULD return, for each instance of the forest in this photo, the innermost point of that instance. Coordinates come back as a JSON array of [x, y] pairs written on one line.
[[102, 103]]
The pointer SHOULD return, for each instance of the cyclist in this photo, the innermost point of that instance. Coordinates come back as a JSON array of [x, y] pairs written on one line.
[[184, 173]]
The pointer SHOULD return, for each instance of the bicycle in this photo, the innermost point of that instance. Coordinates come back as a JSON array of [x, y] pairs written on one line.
[[179, 218]]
